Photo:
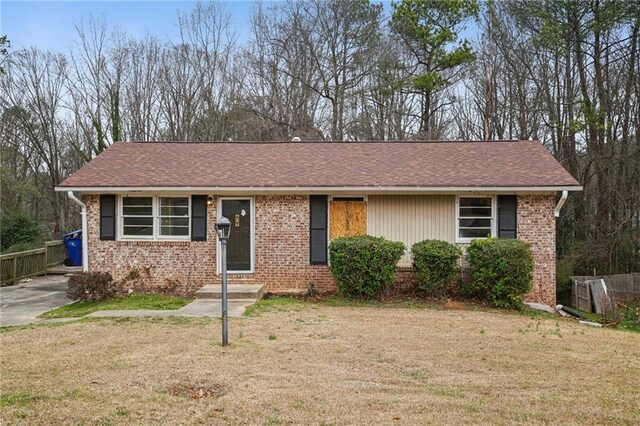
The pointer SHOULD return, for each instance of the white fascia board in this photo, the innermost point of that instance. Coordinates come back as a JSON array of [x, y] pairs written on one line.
[[326, 190]]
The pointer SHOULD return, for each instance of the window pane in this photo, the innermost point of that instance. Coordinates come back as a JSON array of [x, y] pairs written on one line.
[[174, 221], [138, 221], [174, 211], [475, 223], [137, 226], [138, 230], [177, 226], [475, 211], [136, 211], [475, 202], [174, 206], [137, 201], [137, 206], [174, 231], [475, 233]]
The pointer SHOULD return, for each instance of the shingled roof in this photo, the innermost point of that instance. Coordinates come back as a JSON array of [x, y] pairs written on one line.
[[512, 164]]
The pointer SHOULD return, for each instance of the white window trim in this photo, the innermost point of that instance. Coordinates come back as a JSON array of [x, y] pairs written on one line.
[[252, 213], [155, 205], [494, 212]]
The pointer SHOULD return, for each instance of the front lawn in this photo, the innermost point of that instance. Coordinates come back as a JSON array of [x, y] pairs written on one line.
[[127, 303], [294, 362]]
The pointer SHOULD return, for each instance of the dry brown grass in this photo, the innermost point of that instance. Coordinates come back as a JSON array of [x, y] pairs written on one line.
[[322, 365]]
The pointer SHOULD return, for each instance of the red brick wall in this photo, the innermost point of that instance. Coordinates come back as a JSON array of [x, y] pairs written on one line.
[[282, 245], [182, 267], [537, 226], [281, 252]]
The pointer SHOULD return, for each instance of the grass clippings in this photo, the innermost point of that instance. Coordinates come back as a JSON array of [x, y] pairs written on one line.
[[329, 365], [127, 303]]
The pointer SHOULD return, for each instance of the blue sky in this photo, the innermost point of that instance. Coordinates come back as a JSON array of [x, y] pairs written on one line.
[[50, 24]]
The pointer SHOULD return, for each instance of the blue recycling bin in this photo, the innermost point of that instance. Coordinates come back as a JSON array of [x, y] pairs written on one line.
[[73, 244]]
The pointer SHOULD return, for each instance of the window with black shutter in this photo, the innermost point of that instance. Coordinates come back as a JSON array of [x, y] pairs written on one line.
[[107, 217], [318, 229], [475, 218], [507, 216], [198, 218]]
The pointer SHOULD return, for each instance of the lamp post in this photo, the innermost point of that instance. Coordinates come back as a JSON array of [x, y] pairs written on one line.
[[223, 229]]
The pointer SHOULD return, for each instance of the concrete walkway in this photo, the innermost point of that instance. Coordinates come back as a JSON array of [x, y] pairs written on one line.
[[21, 303], [197, 308]]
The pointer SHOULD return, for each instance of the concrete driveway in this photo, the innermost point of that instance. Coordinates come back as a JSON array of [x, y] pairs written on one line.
[[22, 303]]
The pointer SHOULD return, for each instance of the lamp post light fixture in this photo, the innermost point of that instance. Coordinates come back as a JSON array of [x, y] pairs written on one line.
[[223, 229]]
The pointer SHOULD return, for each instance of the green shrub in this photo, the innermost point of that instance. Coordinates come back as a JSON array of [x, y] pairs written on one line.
[[364, 265], [92, 286], [18, 247], [501, 269], [19, 229], [435, 263]]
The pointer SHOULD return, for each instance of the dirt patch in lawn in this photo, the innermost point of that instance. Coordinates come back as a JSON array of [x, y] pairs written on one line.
[[198, 390], [318, 364]]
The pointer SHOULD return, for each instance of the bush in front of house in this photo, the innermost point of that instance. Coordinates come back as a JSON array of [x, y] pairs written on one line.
[[435, 263], [92, 286], [501, 271], [364, 265]]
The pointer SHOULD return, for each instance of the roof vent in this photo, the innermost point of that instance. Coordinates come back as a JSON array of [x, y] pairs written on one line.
[[295, 139]]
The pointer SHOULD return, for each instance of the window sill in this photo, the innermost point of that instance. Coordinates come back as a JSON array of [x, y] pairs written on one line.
[[126, 242], [470, 240]]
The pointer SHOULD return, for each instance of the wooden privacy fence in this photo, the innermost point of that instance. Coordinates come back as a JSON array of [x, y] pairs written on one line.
[[24, 264], [623, 287]]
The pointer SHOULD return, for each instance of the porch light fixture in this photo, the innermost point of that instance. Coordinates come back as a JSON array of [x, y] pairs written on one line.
[[223, 229], [209, 200]]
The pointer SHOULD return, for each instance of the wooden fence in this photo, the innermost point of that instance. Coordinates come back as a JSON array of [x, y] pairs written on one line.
[[623, 288], [25, 264]]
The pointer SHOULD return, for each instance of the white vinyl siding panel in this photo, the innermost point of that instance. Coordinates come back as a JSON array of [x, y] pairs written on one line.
[[412, 218]]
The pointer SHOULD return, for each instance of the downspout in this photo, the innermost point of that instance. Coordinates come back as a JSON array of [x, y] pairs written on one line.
[[561, 202], [85, 245]]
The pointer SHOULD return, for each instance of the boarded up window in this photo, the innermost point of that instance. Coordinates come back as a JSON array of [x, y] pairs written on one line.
[[347, 218]]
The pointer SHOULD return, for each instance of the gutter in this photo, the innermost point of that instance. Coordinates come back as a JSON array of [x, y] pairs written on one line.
[[321, 189], [561, 202], [85, 244]]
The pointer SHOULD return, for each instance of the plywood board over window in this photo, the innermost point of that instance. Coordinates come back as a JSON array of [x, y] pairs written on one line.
[[347, 218]]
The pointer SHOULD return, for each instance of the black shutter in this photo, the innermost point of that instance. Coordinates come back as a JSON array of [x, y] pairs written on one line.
[[318, 229], [507, 216], [198, 218], [107, 217]]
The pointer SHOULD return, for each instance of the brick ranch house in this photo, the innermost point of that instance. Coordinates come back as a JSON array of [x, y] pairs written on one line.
[[150, 208]]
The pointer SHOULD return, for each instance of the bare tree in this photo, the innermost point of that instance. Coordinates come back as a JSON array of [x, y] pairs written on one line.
[[33, 92], [141, 92], [194, 74]]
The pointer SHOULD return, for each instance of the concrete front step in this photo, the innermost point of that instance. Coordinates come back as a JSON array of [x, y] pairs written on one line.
[[234, 291]]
